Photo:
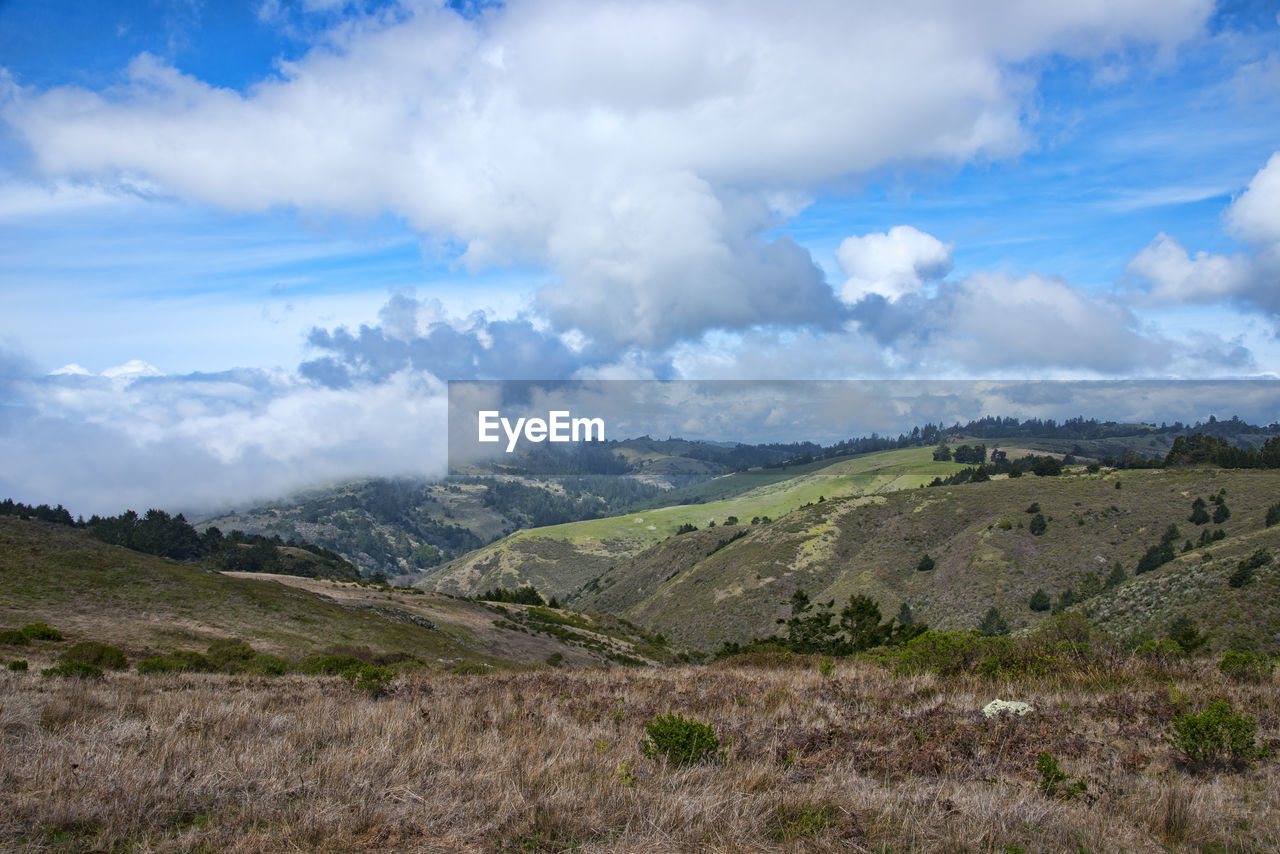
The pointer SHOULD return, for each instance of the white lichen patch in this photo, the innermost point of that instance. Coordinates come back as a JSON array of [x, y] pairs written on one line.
[[999, 707]]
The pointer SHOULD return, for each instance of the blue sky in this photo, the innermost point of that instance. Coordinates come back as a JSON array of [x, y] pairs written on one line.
[[220, 222]]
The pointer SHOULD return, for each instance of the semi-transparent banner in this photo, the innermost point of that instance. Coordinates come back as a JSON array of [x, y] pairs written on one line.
[[575, 427]]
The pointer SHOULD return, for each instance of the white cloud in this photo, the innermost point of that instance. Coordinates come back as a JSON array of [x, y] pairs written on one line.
[[1255, 216], [1246, 278], [891, 264], [1175, 275], [638, 150]]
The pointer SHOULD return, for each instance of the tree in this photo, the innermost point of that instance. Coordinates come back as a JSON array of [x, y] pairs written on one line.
[[1046, 467], [1116, 578], [1040, 600], [942, 453], [905, 617], [1273, 514], [926, 563], [1171, 534], [1038, 525], [993, 625], [1154, 558], [1183, 632], [1221, 513]]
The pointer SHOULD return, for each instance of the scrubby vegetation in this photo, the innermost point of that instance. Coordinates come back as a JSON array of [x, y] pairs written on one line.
[[767, 753]]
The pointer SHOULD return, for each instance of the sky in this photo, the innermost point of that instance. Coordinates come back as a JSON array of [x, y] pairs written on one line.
[[245, 245]]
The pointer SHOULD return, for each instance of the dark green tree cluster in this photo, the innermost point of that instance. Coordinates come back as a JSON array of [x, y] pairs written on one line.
[[1202, 449], [41, 512], [526, 594], [1246, 570], [815, 629]]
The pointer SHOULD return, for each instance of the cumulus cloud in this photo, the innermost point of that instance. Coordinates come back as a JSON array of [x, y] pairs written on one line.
[[416, 335], [633, 149], [995, 321], [1255, 216], [1174, 274], [891, 264]]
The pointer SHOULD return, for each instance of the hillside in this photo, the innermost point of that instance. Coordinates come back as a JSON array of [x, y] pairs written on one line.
[[400, 528], [93, 591], [561, 558], [703, 587]]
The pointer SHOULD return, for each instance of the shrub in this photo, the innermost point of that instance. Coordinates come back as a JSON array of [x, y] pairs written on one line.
[[18, 665], [267, 665], [1040, 600], [1034, 508], [229, 654], [1051, 777], [682, 741], [370, 679], [339, 664], [1245, 667], [1273, 514], [555, 659], [801, 821], [926, 563], [96, 654], [1215, 736], [1038, 524], [178, 661], [14, 637], [40, 631], [74, 670]]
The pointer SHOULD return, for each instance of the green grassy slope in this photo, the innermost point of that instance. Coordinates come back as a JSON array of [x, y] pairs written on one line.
[[93, 591], [985, 555], [558, 559]]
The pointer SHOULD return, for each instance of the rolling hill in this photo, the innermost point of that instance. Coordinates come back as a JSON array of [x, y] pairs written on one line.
[[706, 586], [90, 590], [561, 558]]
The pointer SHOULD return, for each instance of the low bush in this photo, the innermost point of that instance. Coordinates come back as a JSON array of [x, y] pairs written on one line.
[[267, 665], [230, 654], [1246, 667], [96, 654], [1215, 736], [40, 631], [74, 670], [794, 821], [18, 665], [680, 740], [14, 637], [178, 661]]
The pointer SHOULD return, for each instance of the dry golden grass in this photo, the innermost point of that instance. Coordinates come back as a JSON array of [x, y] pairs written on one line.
[[551, 761]]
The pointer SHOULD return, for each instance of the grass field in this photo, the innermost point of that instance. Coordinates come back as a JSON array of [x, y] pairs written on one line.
[[846, 757]]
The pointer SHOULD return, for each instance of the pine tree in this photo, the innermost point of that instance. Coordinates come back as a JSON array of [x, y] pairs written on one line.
[[993, 625]]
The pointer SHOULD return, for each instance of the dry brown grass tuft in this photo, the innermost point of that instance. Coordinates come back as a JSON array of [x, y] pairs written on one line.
[[551, 761]]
